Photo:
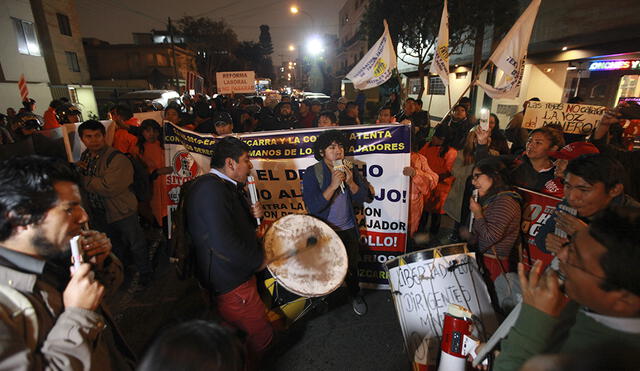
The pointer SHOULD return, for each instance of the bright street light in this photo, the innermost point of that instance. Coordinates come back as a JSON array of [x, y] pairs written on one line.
[[294, 9], [292, 47], [315, 46]]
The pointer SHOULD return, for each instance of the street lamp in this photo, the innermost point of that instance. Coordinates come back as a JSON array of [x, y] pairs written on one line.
[[292, 47], [295, 10], [315, 46]]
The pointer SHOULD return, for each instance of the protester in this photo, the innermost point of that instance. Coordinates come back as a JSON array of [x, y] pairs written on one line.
[[329, 193], [360, 102], [534, 168], [172, 114], [629, 159], [223, 228], [223, 124], [592, 182], [498, 139], [123, 140], [349, 116], [460, 125], [441, 156], [496, 217], [202, 121], [408, 109], [423, 182], [193, 346], [515, 133], [604, 294], [327, 118], [305, 116], [384, 116], [341, 105], [571, 151], [51, 321], [316, 107], [151, 149], [106, 177], [456, 205], [50, 116], [394, 103], [67, 113], [283, 119]]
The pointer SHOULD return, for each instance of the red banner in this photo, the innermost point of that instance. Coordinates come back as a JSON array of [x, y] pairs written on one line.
[[22, 86], [537, 208]]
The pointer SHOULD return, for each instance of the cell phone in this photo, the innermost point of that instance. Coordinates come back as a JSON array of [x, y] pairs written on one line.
[[484, 119], [76, 257], [569, 210]]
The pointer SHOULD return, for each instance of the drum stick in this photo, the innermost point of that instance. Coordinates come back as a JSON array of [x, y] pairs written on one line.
[[253, 194], [311, 242]]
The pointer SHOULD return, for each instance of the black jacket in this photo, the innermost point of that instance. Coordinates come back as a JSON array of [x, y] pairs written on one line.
[[224, 234]]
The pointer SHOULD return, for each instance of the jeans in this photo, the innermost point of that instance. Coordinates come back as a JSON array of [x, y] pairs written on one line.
[[127, 237], [351, 242]]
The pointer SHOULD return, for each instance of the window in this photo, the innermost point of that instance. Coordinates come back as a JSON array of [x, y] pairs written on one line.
[[63, 24], [436, 87], [26, 34], [414, 86], [72, 61]]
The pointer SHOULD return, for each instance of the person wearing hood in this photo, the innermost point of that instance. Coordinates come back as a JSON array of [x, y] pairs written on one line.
[[284, 118]]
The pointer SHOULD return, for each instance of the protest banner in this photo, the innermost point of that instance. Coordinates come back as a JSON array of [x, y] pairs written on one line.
[[236, 82], [537, 208], [280, 158], [158, 116], [574, 118], [424, 283]]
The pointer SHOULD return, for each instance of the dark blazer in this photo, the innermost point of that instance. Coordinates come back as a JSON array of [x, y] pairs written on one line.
[[224, 234]]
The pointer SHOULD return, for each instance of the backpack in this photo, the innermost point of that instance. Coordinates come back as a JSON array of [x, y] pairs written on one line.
[[141, 186], [181, 245]]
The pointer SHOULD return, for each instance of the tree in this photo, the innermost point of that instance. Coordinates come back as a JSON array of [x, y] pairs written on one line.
[[413, 30], [214, 44], [266, 67]]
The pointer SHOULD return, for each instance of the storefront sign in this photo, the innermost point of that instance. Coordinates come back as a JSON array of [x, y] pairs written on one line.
[[574, 118], [615, 65], [236, 82]]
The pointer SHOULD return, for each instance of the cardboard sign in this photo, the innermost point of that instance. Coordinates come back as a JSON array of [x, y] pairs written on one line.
[[236, 82], [574, 118], [423, 286]]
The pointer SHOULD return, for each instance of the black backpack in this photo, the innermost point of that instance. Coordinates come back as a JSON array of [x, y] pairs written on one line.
[[141, 186], [181, 245]]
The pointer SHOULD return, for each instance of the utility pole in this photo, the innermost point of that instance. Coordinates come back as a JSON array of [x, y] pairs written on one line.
[[176, 84]]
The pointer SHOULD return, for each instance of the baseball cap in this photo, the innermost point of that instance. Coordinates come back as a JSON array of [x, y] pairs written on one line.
[[574, 150]]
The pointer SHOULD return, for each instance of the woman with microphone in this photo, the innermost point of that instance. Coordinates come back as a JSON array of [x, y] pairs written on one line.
[[330, 188]]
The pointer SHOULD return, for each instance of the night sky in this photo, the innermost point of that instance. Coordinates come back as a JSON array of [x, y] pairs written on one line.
[[115, 20]]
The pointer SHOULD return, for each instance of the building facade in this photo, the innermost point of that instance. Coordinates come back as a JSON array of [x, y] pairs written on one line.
[[61, 44], [21, 53]]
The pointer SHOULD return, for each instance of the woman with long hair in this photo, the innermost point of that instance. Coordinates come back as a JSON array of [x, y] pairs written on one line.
[[151, 152], [496, 217]]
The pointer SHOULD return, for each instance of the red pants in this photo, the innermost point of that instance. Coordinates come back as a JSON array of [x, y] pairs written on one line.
[[243, 309], [492, 265]]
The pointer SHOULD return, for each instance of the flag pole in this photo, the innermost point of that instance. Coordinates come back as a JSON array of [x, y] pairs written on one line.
[[465, 90], [449, 96]]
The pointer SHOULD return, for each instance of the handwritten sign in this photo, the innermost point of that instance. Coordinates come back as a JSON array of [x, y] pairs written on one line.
[[236, 82], [574, 118], [423, 288]]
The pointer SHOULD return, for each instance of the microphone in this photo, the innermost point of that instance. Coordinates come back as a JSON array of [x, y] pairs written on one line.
[[253, 194], [339, 165], [475, 198], [75, 252]]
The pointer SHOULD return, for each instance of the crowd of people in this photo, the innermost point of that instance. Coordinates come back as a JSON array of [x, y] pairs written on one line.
[[458, 171]]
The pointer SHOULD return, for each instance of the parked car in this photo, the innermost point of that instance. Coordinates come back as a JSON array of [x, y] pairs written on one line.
[[323, 98], [140, 100]]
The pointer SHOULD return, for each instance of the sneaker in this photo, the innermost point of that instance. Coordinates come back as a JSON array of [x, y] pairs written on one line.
[[359, 305]]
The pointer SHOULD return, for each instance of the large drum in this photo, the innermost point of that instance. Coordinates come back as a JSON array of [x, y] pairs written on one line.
[[423, 284], [305, 255]]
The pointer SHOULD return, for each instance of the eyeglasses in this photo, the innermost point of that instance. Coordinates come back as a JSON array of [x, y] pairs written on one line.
[[476, 176]]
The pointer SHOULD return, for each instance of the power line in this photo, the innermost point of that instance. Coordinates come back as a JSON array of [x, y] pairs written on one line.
[[218, 8]]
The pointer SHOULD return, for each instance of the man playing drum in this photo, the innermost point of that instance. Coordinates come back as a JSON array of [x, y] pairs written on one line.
[[223, 227], [329, 189]]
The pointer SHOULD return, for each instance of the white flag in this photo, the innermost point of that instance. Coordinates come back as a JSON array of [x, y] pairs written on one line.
[[376, 66], [440, 63], [511, 55]]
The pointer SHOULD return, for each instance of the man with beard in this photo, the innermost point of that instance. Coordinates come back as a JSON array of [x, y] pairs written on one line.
[[48, 321], [284, 118]]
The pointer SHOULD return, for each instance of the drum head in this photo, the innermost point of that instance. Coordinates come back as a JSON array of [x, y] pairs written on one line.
[[306, 256]]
